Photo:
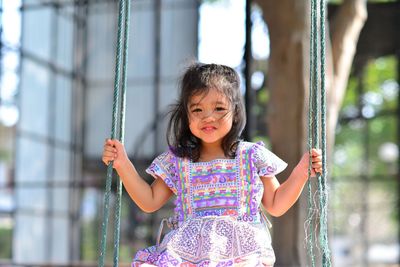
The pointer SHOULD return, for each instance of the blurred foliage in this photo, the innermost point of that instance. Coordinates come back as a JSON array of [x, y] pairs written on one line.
[[378, 103], [5, 155], [90, 244], [365, 186], [5, 243]]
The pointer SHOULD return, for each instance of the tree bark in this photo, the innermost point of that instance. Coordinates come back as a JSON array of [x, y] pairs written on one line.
[[344, 31], [288, 81]]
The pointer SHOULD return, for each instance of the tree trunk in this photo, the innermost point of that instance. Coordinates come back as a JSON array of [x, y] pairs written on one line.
[[288, 80], [345, 30]]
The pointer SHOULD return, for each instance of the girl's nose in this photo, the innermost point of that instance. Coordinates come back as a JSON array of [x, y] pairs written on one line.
[[208, 117]]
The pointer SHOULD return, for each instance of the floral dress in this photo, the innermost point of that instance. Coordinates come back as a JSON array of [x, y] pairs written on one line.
[[217, 218]]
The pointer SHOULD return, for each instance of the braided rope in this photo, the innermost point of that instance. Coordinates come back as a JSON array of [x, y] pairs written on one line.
[[117, 129], [310, 215], [317, 113], [326, 259], [122, 132]]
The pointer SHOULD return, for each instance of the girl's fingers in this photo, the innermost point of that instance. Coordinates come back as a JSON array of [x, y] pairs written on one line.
[[109, 154], [316, 164], [112, 148], [108, 159], [316, 152], [115, 143], [111, 143], [316, 158]]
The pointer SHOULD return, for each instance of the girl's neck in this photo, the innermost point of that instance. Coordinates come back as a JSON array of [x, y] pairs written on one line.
[[210, 152]]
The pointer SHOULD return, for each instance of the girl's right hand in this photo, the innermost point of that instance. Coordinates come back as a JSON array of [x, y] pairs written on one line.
[[114, 151]]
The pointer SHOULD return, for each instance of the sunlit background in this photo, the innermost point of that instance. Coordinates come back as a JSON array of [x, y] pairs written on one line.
[[56, 77]]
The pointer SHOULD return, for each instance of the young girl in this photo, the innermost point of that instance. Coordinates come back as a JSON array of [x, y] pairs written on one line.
[[219, 181]]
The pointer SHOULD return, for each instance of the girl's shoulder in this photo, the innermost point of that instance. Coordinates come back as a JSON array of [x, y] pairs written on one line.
[[166, 156], [246, 146], [265, 161]]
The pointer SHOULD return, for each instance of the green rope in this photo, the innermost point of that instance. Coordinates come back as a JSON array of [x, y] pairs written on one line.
[[310, 215], [116, 133], [317, 113], [326, 259], [122, 133]]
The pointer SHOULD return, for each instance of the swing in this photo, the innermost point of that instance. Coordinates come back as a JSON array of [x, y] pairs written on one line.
[[118, 120], [317, 114]]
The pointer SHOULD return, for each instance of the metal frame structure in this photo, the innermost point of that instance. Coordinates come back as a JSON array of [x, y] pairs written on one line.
[[77, 12], [78, 17]]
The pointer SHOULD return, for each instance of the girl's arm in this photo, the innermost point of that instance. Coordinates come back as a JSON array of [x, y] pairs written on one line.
[[278, 198], [149, 198]]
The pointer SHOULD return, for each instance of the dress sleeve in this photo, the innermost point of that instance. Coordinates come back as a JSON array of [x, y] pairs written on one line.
[[266, 162], [163, 167]]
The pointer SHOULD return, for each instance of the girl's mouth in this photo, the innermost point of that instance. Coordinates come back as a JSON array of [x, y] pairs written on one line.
[[208, 129]]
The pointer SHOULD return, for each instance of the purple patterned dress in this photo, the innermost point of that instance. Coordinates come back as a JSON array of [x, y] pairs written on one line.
[[217, 219]]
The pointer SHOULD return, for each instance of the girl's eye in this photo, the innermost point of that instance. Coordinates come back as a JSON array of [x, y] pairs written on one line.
[[220, 109], [196, 110]]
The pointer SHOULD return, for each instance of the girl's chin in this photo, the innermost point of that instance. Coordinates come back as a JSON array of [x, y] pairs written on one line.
[[210, 141]]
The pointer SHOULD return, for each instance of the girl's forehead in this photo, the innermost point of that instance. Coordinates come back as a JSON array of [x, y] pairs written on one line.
[[210, 96]]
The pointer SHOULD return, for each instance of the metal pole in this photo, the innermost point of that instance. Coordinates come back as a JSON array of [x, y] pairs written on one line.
[[78, 95]]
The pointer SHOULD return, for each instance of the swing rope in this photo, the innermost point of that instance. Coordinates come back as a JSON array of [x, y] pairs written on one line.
[[310, 215], [326, 257], [317, 115], [117, 130]]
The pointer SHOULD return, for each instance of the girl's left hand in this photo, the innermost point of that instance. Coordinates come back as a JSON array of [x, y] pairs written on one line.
[[316, 166]]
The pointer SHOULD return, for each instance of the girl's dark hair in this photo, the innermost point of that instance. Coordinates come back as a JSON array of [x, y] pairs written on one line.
[[198, 79]]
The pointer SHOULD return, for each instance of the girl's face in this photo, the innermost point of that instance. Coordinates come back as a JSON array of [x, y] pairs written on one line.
[[210, 117]]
